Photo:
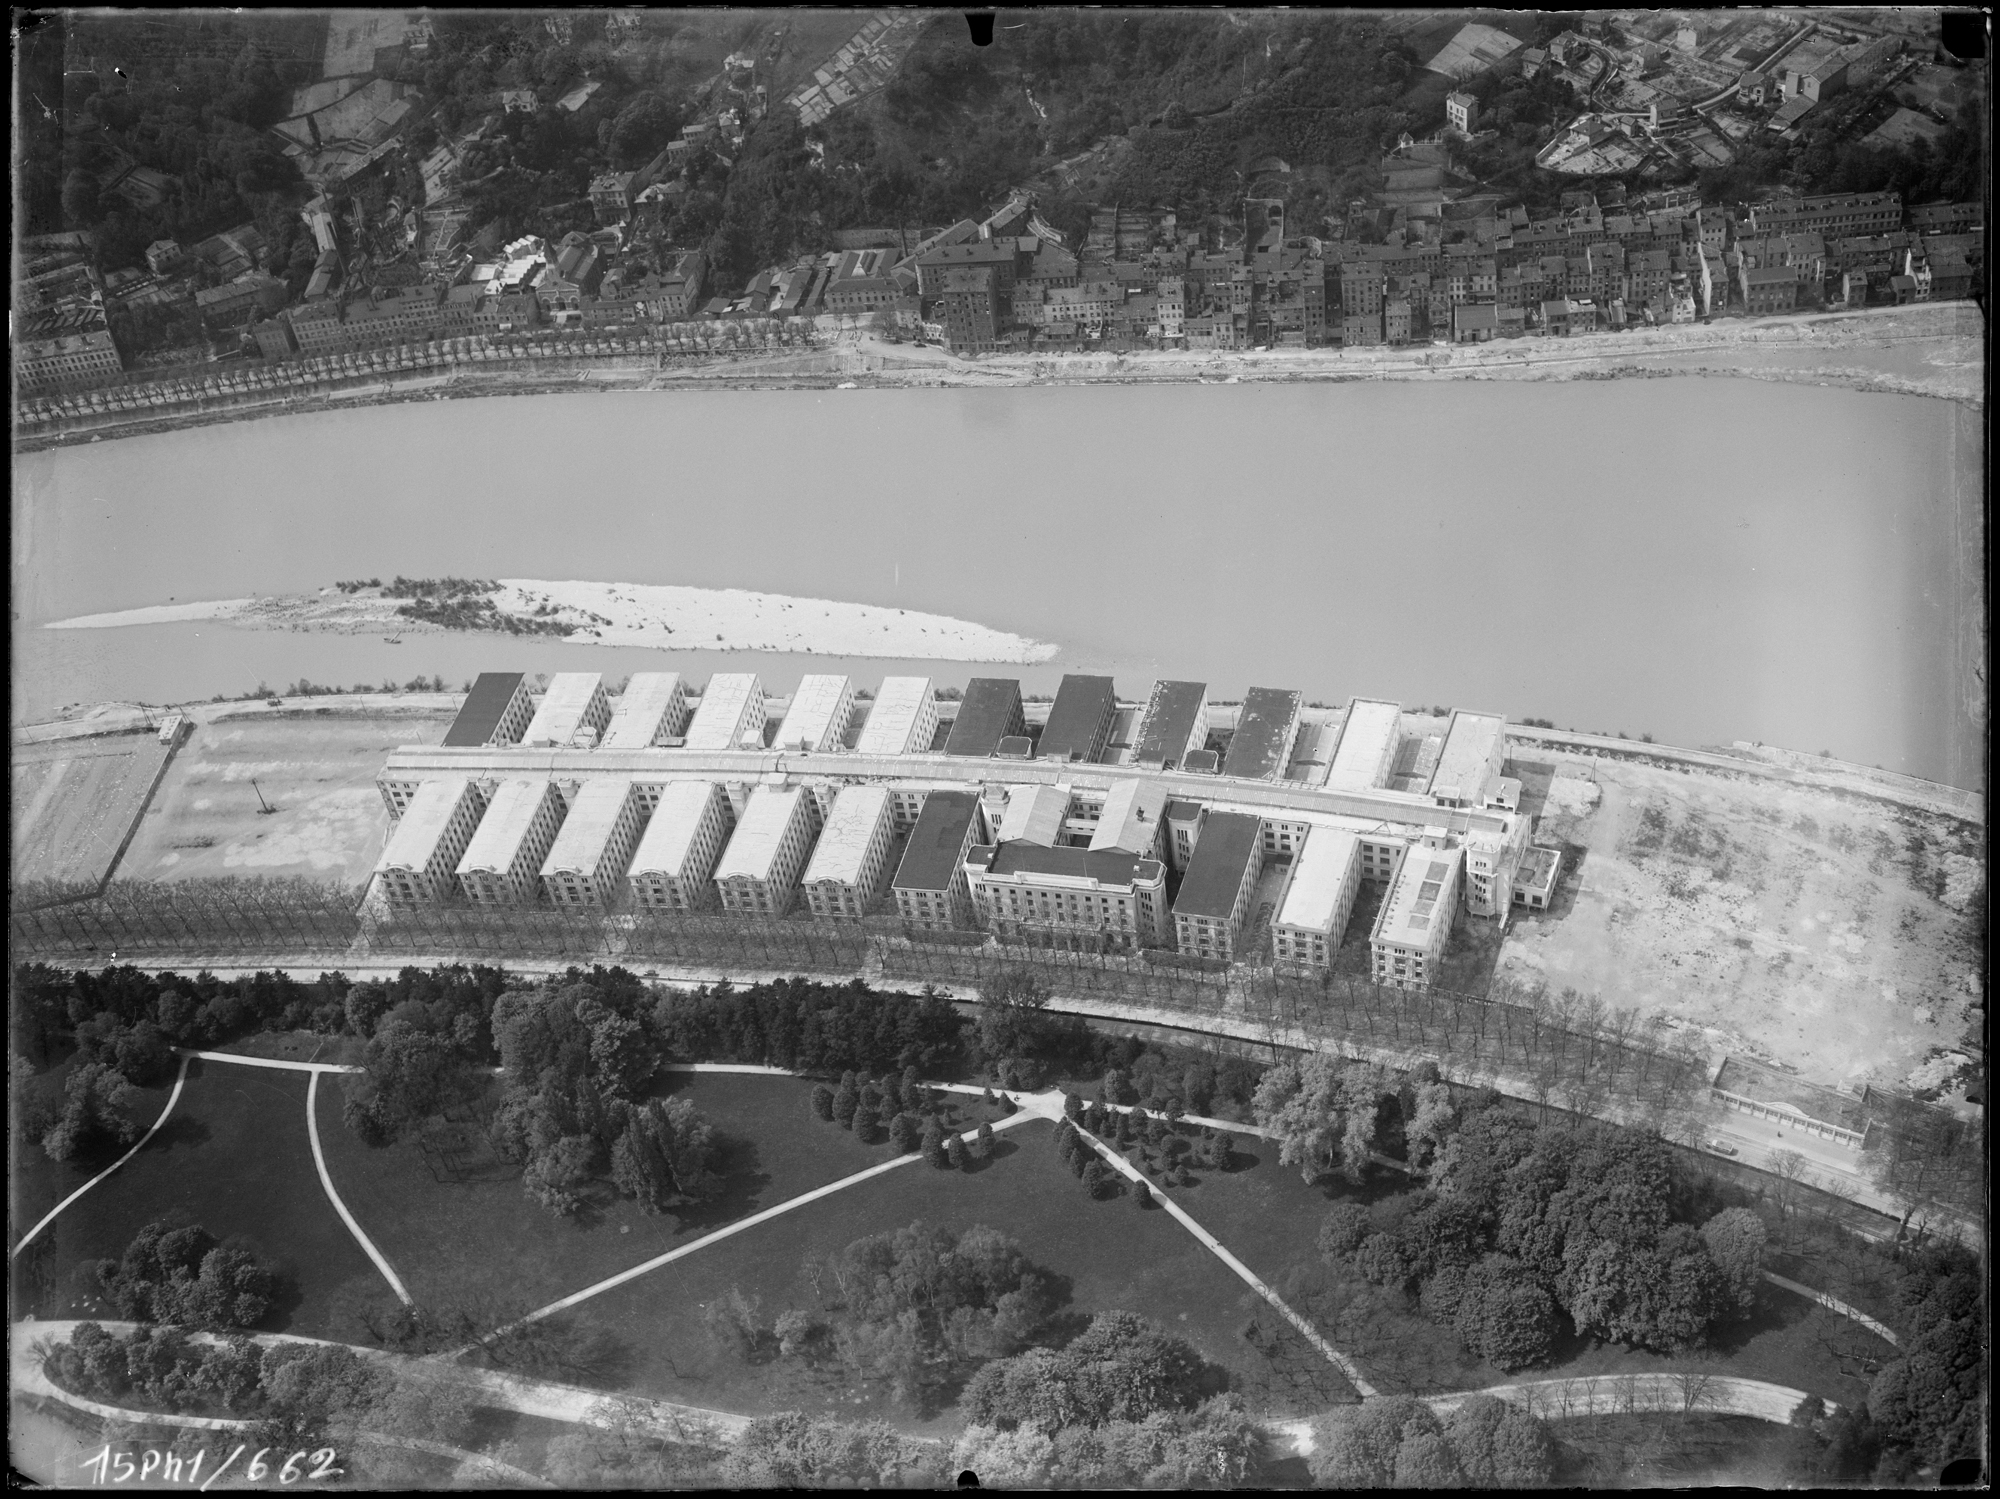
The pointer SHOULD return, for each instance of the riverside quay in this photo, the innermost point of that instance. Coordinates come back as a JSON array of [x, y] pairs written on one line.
[[1088, 822]]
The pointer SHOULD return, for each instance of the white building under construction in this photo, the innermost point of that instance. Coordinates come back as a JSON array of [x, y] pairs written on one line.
[[587, 862], [573, 712], [1367, 750], [759, 871], [851, 858], [1312, 917], [419, 865], [651, 711], [902, 720], [502, 865], [731, 714], [676, 855], [818, 719]]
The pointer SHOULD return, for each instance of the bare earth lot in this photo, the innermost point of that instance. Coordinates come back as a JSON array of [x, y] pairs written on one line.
[[1789, 923], [319, 773], [74, 802]]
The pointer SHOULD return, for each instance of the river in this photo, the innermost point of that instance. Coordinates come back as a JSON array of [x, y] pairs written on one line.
[[1699, 559]]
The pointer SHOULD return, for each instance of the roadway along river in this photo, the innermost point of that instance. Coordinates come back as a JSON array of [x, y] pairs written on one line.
[[1700, 559]]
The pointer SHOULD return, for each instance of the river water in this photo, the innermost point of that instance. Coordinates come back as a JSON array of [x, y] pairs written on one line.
[[1699, 559]]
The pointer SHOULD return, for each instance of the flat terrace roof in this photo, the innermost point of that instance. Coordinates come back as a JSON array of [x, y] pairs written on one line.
[[1215, 871], [1466, 760], [1131, 818], [1324, 867], [1171, 714], [561, 710], [635, 721], [1035, 814], [930, 859], [663, 847], [1079, 719], [1422, 886], [810, 716], [857, 812], [592, 816], [508, 818], [756, 840], [721, 711], [479, 715], [423, 822], [989, 709], [1256, 750], [893, 715], [1105, 866], [1367, 749]]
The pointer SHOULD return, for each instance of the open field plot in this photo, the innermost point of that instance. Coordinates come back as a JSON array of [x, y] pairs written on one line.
[[74, 802], [300, 1046], [484, 1245], [1111, 1255], [235, 1158], [1793, 924], [319, 773]]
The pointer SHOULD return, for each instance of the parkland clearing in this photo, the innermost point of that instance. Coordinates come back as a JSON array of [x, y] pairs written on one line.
[[754, 1167]]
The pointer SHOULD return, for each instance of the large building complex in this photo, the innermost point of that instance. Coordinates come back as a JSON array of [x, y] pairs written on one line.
[[671, 867], [759, 871], [587, 862], [852, 855], [1078, 848], [502, 865]]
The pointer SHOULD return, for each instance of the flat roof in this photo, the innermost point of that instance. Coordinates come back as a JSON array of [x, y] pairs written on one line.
[[850, 827], [1367, 745], [1257, 749], [479, 715], [988, 711], [1470, 742], [593, 816], [1106, 866], [931, 857], [1411, 910], [1131, 818], [560, 713], [1079, 719], [1035, 814], [893, 716], [720, 715], [760, 832], [1179, 810], [509, 815], [1215, 871], [423, 822], [635, 722], [663, 847], [1322, 871], [810, 718], [1171, 715]]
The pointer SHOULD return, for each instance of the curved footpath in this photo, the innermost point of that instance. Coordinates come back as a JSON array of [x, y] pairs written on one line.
[[326, 1182]]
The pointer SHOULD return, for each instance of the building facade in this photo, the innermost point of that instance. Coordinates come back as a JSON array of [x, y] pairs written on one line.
[[758, 874], [852, 856], [678, 852], [930, 884], [502, 865], [587, 862], [732, 712], [419, 864], [1410, 931], [1312, 918], [574, 711], [1221, 878]]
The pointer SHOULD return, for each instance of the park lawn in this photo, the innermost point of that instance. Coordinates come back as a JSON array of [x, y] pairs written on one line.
[[1108, 1255], [1671, 1450], [36, 1183], [234, 1158], [299, 1046], [485, 1246]]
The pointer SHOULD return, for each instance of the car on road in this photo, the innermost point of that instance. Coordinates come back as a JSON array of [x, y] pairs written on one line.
[[1722, 1147]]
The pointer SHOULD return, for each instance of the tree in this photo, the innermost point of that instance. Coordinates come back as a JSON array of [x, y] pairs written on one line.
[[1430, 1124], [822, 1102], [1735, 1239], [90, 1120], [863, 1123], [1499, 1445], [982, 1141], [955, 1153], [933, 1144], [1342, 1231], [666, 1155], [1355, 1446], [793, 1450], [904, 1134], [1323, 1111], [1142, 1194], [845, 1102], [1504, 1316], [1099, 1181]]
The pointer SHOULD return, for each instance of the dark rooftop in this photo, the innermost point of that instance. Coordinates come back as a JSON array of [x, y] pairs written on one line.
[[1258, 749], [1106, 864], [480, 713], [937, 841], [1200, 762], [1080, 721], [1180, 811], [1170, 720], [990, 711], [1215, 871]]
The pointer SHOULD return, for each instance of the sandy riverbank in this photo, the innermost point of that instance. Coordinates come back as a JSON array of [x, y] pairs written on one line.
[[662, 617], [1935, 350]]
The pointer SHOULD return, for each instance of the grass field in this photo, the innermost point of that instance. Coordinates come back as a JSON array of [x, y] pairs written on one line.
[[74, 801], [235, 1159], [36, 1183], [1671, 1451], [1107, 1255], [318, 773]]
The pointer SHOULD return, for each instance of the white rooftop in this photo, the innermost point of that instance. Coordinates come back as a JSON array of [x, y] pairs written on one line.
[[857, 812], [664, 846], [1324, 867], [592, 816], [1418, 900], [894, 715], [1470, 746], [1130, 821], [423, 822], [635, 722], [718, 722], [818, 714], [510, 814], [757, 838], [1035, 814], [562, 707], [1367, 748]]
